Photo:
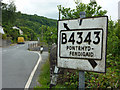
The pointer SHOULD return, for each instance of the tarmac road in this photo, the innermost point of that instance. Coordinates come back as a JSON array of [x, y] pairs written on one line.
[[17, 65]]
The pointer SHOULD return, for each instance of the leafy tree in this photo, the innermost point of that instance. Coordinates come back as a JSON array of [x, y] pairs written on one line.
[[29, 34], [113, 39], [118, 27], [53, 35], [91, 9], [8, 13], [94, 80], [10, 32]]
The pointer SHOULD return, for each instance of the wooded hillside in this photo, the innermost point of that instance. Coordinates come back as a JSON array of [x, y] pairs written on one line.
[[31, 25]]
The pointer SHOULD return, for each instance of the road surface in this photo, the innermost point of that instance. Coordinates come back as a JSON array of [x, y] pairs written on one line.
[[17, 65]]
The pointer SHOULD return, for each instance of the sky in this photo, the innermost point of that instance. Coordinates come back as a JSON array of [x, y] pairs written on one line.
[[48, 8], [119, 10]]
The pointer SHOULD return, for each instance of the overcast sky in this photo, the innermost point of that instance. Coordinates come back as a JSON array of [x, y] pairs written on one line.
[[48, 8]]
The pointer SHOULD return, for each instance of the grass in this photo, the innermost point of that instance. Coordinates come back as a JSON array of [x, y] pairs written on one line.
[[44, 77], [93, 80]]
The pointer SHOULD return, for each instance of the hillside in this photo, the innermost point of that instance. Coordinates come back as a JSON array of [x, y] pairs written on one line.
[[34, 22], [33, 26]]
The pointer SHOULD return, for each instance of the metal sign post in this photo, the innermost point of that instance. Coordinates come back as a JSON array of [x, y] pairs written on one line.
[[82, 73], [81, 79]]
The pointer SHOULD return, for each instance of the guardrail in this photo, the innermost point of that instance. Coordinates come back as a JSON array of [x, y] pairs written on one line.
[[34, 47]]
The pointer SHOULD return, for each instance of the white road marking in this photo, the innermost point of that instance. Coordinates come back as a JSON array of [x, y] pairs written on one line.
[[33, 72]]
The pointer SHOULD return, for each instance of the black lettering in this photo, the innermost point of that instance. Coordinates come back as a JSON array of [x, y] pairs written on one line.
[[75, 53], [86, 48], [92, 54], [88, 38], [80, 37], [89, 48], [64, 38], [97, 36], [70, 53], [87, 53], [84, 54], [72, 39], [82, 48], [78, 47], [78, 53], [67, 48], [73, 47]]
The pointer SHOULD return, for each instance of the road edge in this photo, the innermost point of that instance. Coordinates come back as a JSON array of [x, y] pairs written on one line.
[[27, 85]]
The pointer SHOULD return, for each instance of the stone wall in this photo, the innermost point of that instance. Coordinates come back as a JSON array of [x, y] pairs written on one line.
[[6, 42]]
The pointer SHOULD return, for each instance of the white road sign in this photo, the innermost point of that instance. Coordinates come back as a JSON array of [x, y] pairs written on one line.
[[82, 43]]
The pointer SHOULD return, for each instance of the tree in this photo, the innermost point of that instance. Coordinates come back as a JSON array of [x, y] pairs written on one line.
[[8, 13], [91, 9], [29, 34]]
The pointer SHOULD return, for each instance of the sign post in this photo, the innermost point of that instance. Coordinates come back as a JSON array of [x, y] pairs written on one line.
[[82, 73], [81, 79], [82, 44]]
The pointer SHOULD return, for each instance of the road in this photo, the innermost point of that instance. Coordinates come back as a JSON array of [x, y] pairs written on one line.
[[17, 65]]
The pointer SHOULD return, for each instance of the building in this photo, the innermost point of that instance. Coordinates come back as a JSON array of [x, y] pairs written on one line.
[[1, 30], [20, 31]]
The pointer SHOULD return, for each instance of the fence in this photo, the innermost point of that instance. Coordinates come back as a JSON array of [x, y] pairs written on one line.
[[36, 47], [33, 47]]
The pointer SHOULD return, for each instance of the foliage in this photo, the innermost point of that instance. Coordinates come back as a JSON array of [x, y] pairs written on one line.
[[29, 34], [41, 26], [113, 39], [51, 35], [10, 32], [31, 25], [8, 13], [34, 22], [91, 9], [4, 36], [44, 78], [96, 80]]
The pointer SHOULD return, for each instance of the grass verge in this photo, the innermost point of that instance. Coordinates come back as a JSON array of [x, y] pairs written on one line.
[[92, 80], [44, 77]]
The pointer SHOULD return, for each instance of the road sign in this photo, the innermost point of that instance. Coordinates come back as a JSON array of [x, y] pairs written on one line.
[[82, 46]]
